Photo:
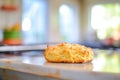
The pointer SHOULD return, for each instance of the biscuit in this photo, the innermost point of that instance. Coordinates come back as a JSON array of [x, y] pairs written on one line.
[[68, 53]]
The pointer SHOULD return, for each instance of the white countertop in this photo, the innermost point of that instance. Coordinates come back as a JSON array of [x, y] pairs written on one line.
[[37, 65]]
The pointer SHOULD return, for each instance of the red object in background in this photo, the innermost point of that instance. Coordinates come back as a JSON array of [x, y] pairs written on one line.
[[109, 41], [12, 41], [8, 8]]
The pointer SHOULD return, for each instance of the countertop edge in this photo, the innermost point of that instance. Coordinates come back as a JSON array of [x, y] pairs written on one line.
[[58, 73]]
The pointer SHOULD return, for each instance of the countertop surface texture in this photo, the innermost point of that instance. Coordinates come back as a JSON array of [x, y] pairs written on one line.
[[105, 66]]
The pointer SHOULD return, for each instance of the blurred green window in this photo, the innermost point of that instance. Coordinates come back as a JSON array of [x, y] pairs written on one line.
[[105, 20]]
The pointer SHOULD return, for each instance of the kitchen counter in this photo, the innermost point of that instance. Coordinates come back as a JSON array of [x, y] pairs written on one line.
[[105, 66]]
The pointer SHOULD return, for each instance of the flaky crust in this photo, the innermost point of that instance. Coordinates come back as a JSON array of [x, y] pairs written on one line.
[[70, 53]]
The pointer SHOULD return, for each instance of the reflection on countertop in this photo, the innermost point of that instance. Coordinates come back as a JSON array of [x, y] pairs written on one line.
[[107, 61]]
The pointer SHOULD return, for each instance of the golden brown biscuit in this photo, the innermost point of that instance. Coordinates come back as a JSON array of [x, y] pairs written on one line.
[[70, 53]]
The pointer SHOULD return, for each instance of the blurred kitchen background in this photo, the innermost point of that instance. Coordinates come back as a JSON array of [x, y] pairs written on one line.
[[94, 23]]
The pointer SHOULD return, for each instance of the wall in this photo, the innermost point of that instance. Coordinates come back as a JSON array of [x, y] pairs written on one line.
[[86, 16], [8, 18], [83, 19], [53, 18], [15, 16]]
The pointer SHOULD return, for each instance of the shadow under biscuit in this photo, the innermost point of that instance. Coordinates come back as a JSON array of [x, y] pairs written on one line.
[[71, 66]]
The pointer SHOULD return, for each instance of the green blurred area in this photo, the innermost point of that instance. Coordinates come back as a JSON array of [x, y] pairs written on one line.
[[108, 62], [110, 20]]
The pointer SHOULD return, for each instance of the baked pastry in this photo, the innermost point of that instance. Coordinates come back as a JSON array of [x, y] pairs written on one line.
[[70, 53]]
